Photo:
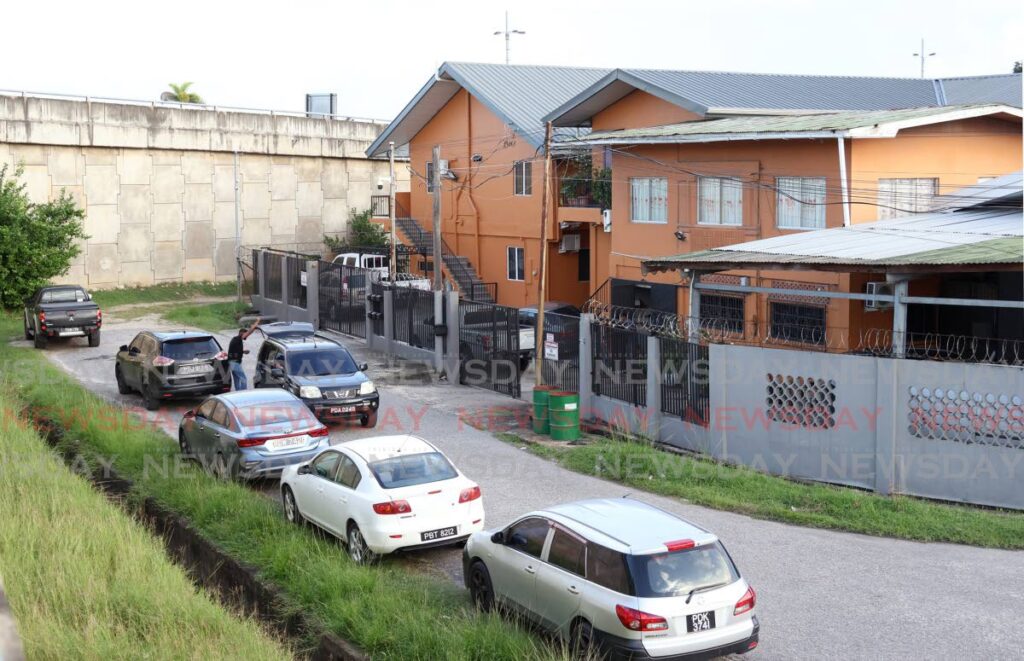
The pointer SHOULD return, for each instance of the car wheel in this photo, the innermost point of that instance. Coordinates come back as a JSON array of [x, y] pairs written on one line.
[[39, 340], [480, 588], [291, 508], [149, 398], [186, 449], [581, 641], [357, 548], [122, 387], [94, 338], [369, 420]]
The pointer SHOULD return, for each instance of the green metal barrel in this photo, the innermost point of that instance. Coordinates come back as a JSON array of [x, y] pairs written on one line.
[[564, 413], [540, 409]]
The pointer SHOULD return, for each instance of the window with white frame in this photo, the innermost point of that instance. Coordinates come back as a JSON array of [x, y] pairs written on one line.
[[801, 203], [720, 201], [900, 197], [522, 178], [430, 176], [648, 199], [516, 263]]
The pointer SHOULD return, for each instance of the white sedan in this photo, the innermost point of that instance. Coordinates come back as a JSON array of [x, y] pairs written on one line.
[[384, 494]]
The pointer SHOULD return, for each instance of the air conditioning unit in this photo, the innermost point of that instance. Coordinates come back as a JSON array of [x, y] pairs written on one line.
[[878, 289], [606, 219], [569, 243]]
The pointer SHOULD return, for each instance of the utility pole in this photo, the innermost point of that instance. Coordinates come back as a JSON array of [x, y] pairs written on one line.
[[238, 237], [921, 54], [391, 210], [435, 183], [508, 34], [542, 297]]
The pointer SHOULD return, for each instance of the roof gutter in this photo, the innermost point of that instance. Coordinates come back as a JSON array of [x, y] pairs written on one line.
[[706, 137]]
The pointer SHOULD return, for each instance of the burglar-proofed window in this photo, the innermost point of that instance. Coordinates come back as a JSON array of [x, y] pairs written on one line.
[[523, 178]]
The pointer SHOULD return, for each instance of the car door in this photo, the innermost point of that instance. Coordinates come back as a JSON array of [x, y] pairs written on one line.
[[262, 366], [150, 349], [339, 495], [131, 365], [560, 578], [514, 572], [219, 433], [311, 486], [199, 437], [273, 359]]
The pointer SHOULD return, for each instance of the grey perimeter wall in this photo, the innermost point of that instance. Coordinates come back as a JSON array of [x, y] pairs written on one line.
[[158, 183]]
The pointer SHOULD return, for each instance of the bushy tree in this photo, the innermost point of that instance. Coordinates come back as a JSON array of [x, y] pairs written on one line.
[[37, 241], [362, 233], [181, 93]]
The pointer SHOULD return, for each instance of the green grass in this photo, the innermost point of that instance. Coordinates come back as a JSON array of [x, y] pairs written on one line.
[[175, 291], [213, 317], [747, 491], [85, 581], [389, 612]]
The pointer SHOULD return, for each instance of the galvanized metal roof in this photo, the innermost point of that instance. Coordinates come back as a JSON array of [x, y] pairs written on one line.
[[975, 236], [719, 92], [878, 123]]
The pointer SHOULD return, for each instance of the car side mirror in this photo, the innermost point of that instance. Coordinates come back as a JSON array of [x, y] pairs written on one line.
[[134, 351], [304, 469], [124, 347], [363, 367], [277, 372], [498, 537], [190, 414]]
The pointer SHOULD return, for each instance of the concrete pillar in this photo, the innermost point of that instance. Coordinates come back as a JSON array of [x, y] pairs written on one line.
[[693, 314], [438, 340], [261, 286], [452, 362], [313, 292], [899, 319], [887, 479], [389, 321], [285, 286], [371, 342], [586, 367], [653, 430]]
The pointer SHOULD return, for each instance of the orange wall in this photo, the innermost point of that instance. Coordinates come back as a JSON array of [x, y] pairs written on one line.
[[637, 109], [956, 153]]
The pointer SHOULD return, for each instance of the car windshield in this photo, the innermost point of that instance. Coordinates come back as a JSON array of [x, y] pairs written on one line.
[[270, 414], [410, 470], [191, 348], [63, 296], [321, 362], [677, 573]]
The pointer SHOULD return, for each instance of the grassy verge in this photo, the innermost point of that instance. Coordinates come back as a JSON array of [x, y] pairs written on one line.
[[213, 317], [158, 293], [85, 581], [385, 610], [744, 490]]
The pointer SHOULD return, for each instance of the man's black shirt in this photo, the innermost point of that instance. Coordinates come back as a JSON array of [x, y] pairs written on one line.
[[235, 349]]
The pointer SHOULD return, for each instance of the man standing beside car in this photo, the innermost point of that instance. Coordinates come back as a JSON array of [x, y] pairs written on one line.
[[236, 349]]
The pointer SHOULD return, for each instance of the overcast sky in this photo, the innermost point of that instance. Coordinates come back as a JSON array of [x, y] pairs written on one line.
[[375, 55]]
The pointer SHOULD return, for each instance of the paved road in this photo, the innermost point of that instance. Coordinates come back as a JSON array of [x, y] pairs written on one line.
[[821, 594]]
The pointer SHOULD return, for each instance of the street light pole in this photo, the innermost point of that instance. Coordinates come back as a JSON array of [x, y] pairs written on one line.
[[923, 56], [391, 209], [508, 34]]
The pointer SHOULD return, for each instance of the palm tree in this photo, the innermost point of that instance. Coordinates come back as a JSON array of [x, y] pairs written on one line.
[[181, 94]]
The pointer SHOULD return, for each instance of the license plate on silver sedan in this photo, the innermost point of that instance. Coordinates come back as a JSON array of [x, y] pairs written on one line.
[[195, 369], [286, 442], [698, 622], [440, 533]]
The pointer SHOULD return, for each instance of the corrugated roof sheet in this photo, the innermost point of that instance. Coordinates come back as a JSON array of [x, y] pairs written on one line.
[[783, 124], [983, 89], [972, 236]]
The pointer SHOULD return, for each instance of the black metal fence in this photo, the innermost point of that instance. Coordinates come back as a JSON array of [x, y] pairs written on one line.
[[561, 346], [486, 292], [684, 380], [489, 354], [256, 284], [412, 314], [619, 360], [342, 298], [273, 263], [295, 268], [377, 305]]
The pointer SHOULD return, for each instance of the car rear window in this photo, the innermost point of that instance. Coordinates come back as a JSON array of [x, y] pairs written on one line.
[[321, 362], [191, 348], [410, 470], [63, 296], [678, 572], [273, 413]]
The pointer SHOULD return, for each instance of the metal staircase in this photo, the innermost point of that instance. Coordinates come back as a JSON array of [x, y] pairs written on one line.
[[458, 267]]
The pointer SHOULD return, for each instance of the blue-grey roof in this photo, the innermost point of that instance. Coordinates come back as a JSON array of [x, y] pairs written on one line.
[[525, 96], [719, 92]]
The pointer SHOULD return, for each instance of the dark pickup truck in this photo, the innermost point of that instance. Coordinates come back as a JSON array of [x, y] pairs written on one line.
[[62, 311]]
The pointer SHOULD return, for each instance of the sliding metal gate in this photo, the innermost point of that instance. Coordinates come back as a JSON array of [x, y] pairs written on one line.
[[489, 347], [342, 298]]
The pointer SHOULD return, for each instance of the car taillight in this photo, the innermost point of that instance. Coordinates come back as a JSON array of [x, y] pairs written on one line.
[[223, 355], [746, 602], [162, 361], [42, 320], [392, 507], [251, 442], [680, 545], [99, 317], [469, 494], [320, 432], [635, 620]]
